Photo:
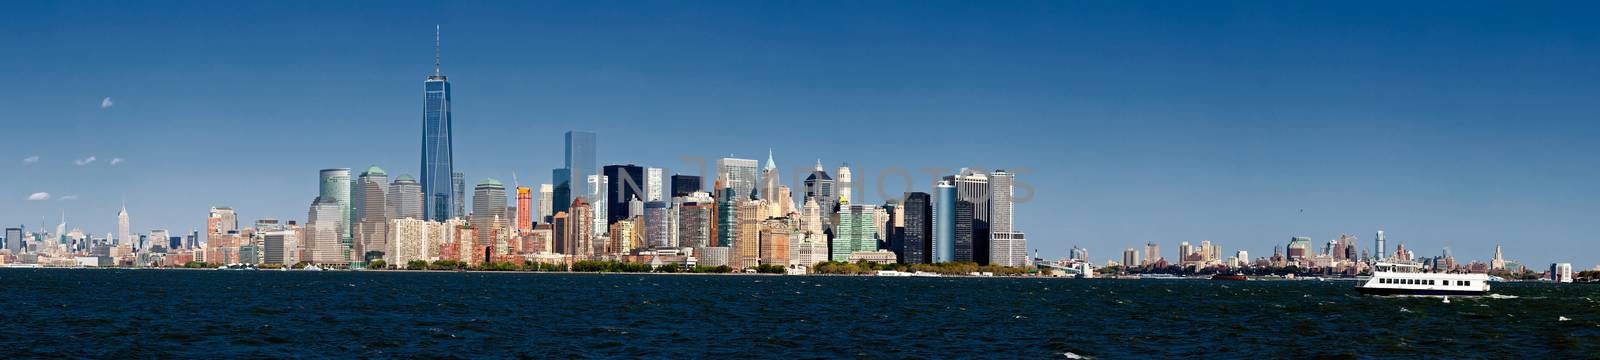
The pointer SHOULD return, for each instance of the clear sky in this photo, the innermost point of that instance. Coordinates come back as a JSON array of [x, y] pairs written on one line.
[[1459, 124]]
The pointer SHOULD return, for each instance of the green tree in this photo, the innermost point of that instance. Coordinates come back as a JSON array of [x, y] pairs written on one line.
[[377, 265]]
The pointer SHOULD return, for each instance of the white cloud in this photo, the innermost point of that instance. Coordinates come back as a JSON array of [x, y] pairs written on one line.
[[39, 196], [85, 161], [68, 198], [106, 103], [30, 159], [115, 161]]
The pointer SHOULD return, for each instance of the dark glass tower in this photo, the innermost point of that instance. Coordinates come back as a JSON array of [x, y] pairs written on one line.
[[683, 185], [579, 163], [918, 237], [438, 165], [627, 183]]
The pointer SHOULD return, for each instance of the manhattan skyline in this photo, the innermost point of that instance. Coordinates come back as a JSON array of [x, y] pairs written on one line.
[[1232, 128]]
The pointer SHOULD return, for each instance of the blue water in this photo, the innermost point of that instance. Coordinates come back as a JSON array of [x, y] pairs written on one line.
[[229, 314]]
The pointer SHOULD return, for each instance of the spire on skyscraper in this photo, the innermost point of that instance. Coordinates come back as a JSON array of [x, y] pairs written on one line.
[[772, 164], [436, 50]]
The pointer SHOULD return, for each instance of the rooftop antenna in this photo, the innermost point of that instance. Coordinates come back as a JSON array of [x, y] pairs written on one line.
[[435, 50]]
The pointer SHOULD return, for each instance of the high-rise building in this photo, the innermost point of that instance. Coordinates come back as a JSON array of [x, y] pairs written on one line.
[[560, 190], [727, 215], [652, 184], [624, 183], [546, 203], [405, 198], [599, 199], [579, 164], [458, 181], [580, 229], [1130, 258], [438, 161], [279, 247], [820, 186], [14, 240], [739, 174], [1379, 246], [965, 245], [123, 234], [656, 230], [918, 237], [684, 185], [854, 232], [219, 222], [335, 186], [524, 218], [1009, 249], [770, 180], [845, 185], [972, 187], [488, 211], [944, 223], [1299, 248], [417, 239], [372, 214], [694, 221], [1152, 252], [322, 232]]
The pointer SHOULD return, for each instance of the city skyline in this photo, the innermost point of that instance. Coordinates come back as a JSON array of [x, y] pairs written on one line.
[[182, 167]]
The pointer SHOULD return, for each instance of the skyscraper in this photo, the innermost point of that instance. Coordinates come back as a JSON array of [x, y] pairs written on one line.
[[683, 185], [770, 180], [727, 215], [14, 240], [335, 186], [820, 187], [1380, 247], [624, 183], [438, 161], [372, 214], [524, 208], [739, 174], [546, 202], [845, 186], [322, 229], [918, 238], [972, 187], [855, 232], [652, 184], [459, 182], [944, 223], [599, 201], [579, 164], [488, 212], [405, 198], [123, 236]]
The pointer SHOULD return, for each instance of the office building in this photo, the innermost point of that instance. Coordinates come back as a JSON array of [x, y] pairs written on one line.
[[624, 183], [738, 174], [599, 200], [579, 164], [917, 240], [371, 198], [488, 212], [438, 161], [684, 185], [944, 224], [854, 231], [972, 187], [653, 188], [546, 203], [335, 186], [405, 198], [524, 218], [322, 232]]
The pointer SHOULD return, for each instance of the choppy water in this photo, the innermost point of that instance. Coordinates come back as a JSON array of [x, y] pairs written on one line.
[[226, 314]]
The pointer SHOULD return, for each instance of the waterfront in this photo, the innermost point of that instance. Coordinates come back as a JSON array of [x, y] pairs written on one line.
[[215, 314]]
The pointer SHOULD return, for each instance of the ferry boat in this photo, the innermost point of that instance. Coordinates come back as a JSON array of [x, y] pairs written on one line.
[[1229, 277], [1408, 279]]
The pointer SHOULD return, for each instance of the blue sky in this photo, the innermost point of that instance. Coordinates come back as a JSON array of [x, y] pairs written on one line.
[[1459, 124]]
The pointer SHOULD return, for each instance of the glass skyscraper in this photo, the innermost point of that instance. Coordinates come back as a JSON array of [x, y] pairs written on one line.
[[579, 164], [437, 162], [944, 223]]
